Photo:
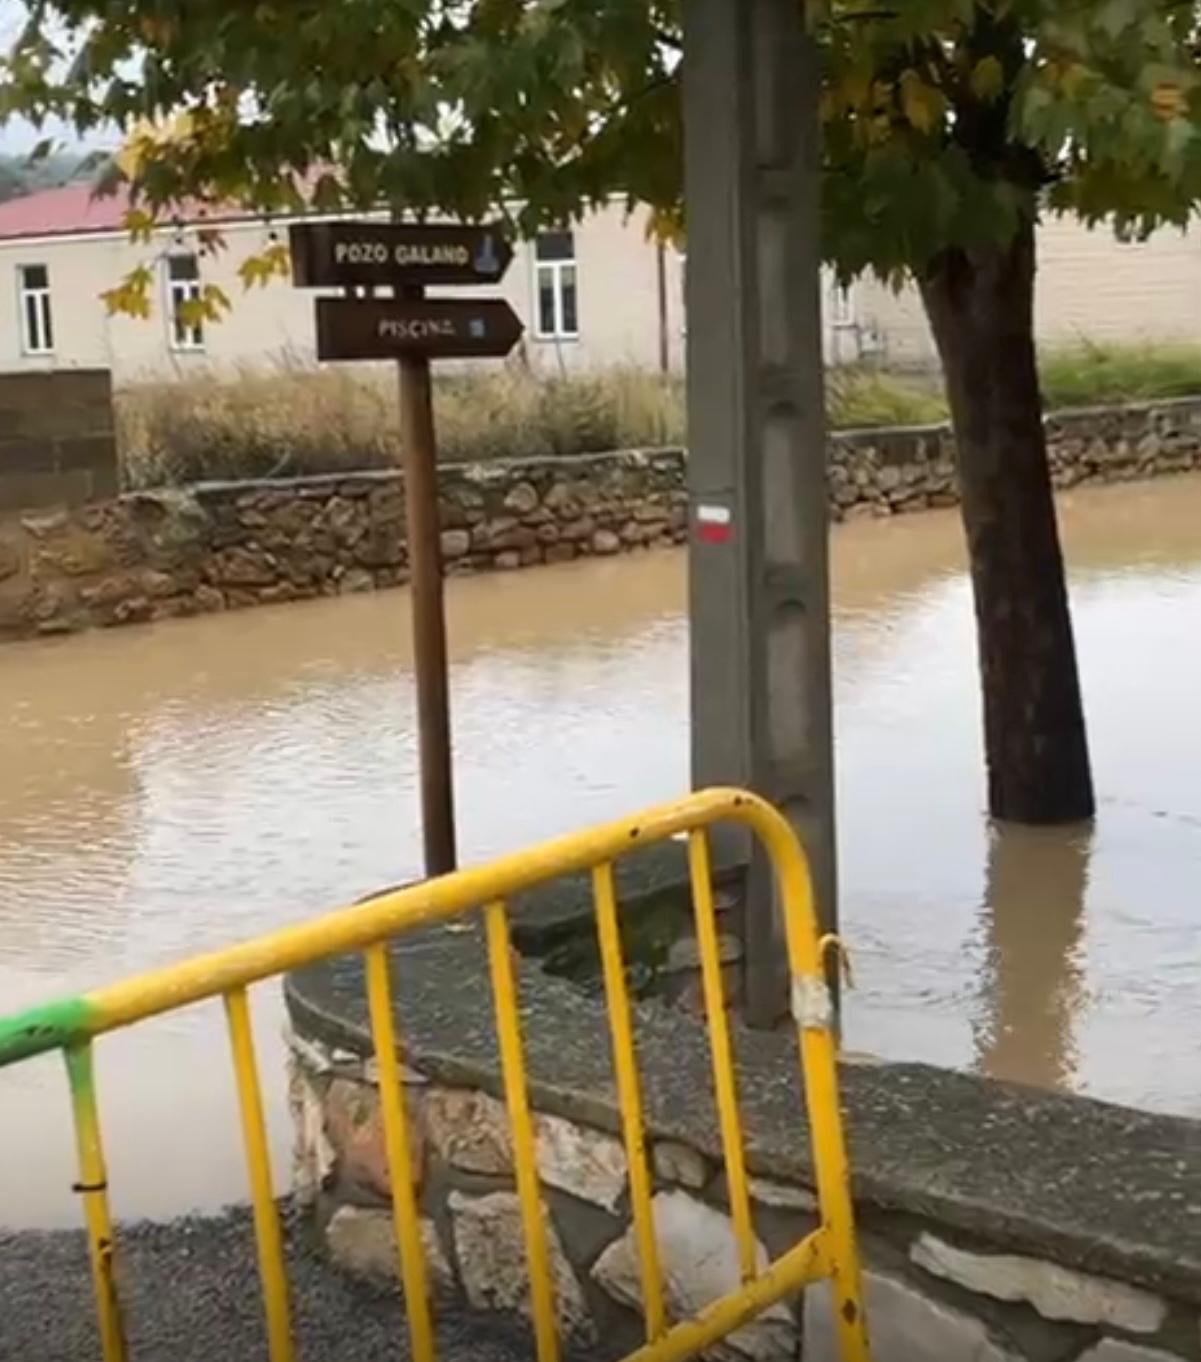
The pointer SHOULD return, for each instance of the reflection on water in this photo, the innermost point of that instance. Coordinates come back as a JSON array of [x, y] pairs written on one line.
[[1031, 987], [174, 788]]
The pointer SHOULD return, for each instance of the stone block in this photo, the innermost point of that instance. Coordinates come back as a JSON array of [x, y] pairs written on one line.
[[699, 1258], [782, 1197], [284, 591], [562, 501], [680, 1164], [382, 545], [578, 531], [521, 498], [110, 591], [313, 1155], [605, 542], [354, 581], [904, 1326], [344, 519], [455, 543], [513, 536], [354, 1124], [468, 1130], [74, 552], [135, 610], [1114, 1350], [362, 1241], [162, 584], [490, 1247], [208, 598], [242, 567], [1055, 1292], [684, 953], [581, 1161]]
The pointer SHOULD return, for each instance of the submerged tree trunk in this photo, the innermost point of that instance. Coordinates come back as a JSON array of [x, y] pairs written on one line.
[[981, 303]]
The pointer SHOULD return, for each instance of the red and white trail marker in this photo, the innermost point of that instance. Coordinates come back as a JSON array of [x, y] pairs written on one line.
[[714, 524]]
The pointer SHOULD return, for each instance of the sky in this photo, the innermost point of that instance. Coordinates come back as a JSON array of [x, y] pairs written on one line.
[[18, 136]]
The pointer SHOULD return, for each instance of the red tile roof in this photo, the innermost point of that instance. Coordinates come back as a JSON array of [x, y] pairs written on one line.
[[71, 209], [53, 212]]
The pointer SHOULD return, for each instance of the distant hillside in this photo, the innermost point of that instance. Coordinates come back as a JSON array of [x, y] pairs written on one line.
[[18, 176]]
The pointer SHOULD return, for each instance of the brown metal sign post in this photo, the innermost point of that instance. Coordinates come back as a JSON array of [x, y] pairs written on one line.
[[419, 449], [413, 329]]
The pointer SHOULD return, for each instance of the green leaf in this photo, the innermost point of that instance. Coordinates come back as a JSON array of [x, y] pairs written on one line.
[[987, 79], [922, 104]]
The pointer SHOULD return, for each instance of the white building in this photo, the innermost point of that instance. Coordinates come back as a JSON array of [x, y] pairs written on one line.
[[600, 293]]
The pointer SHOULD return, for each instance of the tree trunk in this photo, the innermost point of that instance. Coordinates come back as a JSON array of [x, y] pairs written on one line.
[[981, 307]]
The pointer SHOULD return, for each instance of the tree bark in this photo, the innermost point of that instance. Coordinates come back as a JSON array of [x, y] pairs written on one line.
[[981, 307]]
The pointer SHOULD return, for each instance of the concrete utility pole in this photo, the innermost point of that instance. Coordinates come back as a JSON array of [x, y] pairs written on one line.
[[761, 706]]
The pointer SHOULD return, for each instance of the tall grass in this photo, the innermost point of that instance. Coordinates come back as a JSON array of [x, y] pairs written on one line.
[[1088, 373], [268, 423], [288, 420]]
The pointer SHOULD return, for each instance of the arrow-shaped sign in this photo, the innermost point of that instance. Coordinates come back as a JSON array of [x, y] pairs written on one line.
[[343, 254], [439, 328]]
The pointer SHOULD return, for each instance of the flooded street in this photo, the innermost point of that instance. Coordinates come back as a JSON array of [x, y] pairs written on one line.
[[173, 788]]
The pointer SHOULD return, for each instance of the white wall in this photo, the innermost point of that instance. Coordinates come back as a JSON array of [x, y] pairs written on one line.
[[80, 330], [1089, 284], [1092, 285], [617, 280]]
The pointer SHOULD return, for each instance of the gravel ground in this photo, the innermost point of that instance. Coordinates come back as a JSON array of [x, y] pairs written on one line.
[[190, 1294]]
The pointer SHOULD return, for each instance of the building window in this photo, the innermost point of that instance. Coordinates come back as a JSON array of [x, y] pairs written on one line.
[[555, 283], [183, 286], [37, 327], [842, 306], [682, 267]]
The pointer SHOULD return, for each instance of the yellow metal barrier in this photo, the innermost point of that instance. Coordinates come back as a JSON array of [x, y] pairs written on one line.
[[830, 1252]]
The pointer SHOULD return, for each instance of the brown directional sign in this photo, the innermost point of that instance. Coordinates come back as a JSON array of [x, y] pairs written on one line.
[[337, 254], [439, 328]]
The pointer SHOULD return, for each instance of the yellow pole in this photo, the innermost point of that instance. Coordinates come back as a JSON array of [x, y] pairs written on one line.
[[93, 1186], [806, 1262], [39, 1029], [405, 1215], [813, 1013], [269, 1240], [724, 1081], [525, 1159], [625, 1064]]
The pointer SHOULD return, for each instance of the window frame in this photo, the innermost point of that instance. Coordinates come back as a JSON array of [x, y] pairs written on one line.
[[843, 314], [39, 299], [555, 269], [183, 338]]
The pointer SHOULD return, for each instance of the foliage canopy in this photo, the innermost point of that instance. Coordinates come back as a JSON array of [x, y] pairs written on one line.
[[945, 121]]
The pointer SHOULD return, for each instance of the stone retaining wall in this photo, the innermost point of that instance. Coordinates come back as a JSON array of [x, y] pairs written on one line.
[[998, 1223], [217, 546], [932, 1293], [882, 472]]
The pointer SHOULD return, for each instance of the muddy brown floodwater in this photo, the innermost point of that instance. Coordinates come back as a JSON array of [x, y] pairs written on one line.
[[178, 787]]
